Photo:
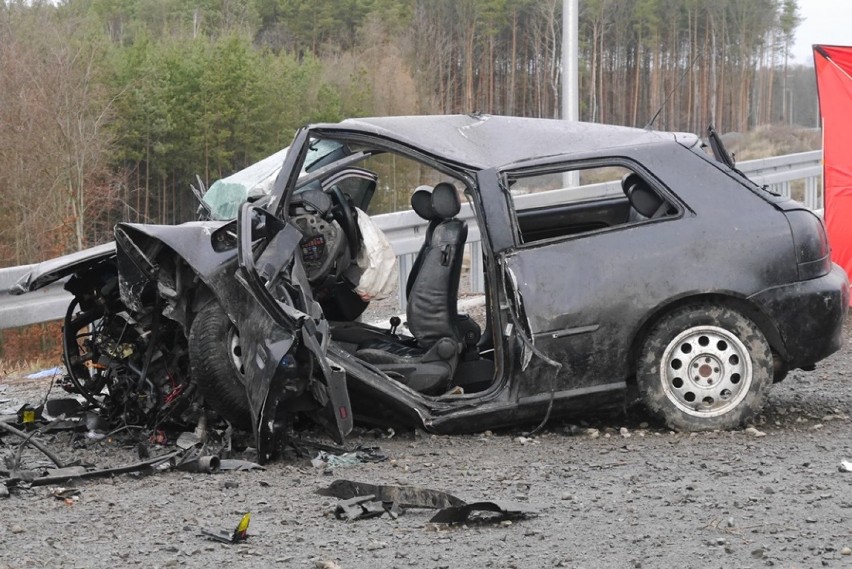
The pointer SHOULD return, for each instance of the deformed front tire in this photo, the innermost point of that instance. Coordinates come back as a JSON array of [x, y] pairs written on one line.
[[704, 367], [215, 357]]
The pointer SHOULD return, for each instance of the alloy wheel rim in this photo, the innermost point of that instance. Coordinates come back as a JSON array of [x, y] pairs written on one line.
[[706, 371]]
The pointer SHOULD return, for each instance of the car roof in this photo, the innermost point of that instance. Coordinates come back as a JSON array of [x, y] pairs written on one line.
[[481, 141]]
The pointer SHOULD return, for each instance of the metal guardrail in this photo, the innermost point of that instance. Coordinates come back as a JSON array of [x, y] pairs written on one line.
[[43, 305], [405, 230], [781, 171]]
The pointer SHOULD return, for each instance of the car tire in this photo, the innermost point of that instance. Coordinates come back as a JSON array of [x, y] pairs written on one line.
[[704, 367], [216, 365]]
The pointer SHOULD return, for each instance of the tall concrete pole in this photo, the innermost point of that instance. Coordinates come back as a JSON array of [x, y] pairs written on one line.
[[570, 48], [570, 88]]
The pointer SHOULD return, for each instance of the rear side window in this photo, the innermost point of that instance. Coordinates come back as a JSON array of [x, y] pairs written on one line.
[[567, 202]]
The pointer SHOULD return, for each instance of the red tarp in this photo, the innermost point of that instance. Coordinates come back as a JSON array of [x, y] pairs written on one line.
[[834, 86]]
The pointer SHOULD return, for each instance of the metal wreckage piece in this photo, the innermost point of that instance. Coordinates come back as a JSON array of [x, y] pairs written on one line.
[[191, 455], [126, 333], [62, 475], [361, 500], [184, 460]]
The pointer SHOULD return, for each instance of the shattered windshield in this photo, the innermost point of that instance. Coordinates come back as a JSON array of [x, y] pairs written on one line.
[[225, 196]]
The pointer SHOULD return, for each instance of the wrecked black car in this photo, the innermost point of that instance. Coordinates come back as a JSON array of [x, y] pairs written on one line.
[[613, 258]]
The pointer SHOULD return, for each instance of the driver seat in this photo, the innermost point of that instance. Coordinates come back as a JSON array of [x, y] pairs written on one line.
[[427, 362]]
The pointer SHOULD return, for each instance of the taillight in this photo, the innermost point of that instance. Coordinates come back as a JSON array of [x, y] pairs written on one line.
[[812, 251]]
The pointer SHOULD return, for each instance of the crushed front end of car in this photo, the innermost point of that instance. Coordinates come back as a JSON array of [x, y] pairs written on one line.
[[167, 324]]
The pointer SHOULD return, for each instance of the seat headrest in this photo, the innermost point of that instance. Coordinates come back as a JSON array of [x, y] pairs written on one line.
[[421, 202], [640, 195], [445, 201], [628, 181]]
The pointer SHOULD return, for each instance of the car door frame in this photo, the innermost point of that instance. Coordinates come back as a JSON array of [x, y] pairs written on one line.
[[541, 383]]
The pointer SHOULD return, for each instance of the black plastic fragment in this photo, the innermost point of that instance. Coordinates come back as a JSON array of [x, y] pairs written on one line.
[[504, 511], [365, 507]]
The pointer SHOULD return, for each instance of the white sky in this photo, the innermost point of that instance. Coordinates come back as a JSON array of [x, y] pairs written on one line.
[[823, 21]]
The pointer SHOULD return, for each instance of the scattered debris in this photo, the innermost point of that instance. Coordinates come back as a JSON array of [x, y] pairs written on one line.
[[192, 453], [227, 464], [188, 440], [28, 438], [405, 496], [65, 406], [754, 432], [362, 455], [67, 472], [206, 464], [27, 416], [360, 500], [506, 511], [161, 462], [240, 533], [62, 424], [67, 495], [179, 459], [365, 507], [375, 432], [61, 493]]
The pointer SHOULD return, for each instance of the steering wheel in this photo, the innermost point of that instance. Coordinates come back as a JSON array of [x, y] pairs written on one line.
[[345, 215]]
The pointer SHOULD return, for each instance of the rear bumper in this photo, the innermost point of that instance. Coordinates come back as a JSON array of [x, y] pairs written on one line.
[[809, 316]]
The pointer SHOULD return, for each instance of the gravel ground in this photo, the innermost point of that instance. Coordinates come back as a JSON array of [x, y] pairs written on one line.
[[615, 491]]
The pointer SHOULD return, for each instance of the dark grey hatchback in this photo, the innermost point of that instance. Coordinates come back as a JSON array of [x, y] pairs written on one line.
[[612, 257]]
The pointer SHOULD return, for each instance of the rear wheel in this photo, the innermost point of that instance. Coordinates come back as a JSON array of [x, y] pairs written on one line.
[[216, 362], [704, 367]]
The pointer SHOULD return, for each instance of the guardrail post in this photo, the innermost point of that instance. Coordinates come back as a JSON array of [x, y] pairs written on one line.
[[812, 198], [406, 262], [477, 276]]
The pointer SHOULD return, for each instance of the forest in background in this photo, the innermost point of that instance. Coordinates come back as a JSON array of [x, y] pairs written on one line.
[[110, 108]]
